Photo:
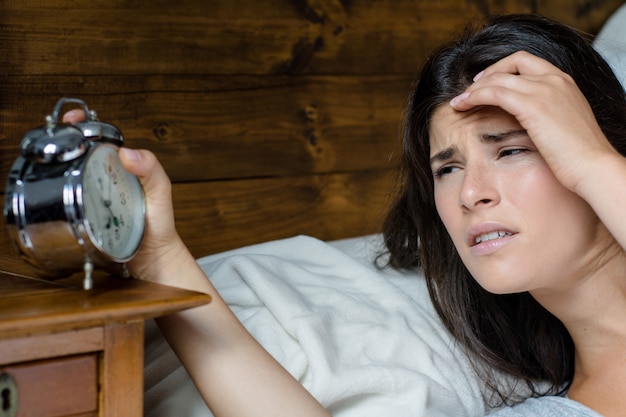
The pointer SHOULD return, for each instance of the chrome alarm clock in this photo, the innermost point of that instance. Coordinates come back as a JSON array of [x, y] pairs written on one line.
[[70, 205]]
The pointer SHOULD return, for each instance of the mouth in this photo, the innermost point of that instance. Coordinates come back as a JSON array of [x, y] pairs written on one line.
[[485, 237], [488, 233]]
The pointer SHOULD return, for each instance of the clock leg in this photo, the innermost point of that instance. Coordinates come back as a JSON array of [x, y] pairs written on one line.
[[88, 281]]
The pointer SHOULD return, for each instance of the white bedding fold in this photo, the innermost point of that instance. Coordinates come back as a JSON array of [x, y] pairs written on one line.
[[364, 342]]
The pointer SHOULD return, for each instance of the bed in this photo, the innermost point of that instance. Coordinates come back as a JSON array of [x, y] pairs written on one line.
[[278, 125]]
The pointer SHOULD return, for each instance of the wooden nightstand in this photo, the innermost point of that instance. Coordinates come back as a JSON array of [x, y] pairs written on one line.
[[65, 351]]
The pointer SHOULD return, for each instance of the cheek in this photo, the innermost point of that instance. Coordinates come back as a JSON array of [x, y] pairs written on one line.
[[447, 205], [557, 210], [537, 192], [440, 203]]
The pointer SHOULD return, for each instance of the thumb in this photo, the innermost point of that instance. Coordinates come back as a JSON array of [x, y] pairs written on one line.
[[160, 237], [154, 180], [145, 166]]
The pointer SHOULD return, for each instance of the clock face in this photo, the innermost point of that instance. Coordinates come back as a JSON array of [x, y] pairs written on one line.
[[113, 204]]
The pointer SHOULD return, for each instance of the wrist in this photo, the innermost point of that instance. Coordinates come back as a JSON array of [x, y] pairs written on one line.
[[161, 263], [604, 168]]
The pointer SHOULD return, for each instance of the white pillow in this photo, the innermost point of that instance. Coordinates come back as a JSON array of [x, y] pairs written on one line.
[[611, 43]]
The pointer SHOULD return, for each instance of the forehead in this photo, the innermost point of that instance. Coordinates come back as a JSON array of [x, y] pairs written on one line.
[[448, 126]]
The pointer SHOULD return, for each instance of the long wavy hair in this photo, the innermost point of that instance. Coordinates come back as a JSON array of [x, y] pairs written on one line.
[[510, 333]]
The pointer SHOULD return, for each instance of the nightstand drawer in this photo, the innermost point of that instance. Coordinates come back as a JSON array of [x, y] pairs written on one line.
[[78, 353], [57, 387]]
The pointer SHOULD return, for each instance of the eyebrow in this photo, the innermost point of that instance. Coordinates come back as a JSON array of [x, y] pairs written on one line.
[[447, 153], [499, 137]]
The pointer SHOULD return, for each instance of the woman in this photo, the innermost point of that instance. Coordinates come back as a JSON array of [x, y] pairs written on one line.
[[512, 203], [502, 161]]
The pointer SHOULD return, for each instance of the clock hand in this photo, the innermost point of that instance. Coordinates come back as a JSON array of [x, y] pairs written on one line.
[[112, 217], [107, 173], [110, 181], [107, 202]]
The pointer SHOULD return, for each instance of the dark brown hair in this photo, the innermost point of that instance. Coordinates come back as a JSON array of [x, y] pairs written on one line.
[[510, 333]]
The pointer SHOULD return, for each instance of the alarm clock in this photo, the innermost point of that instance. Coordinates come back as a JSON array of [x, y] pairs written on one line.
[[70, 205]]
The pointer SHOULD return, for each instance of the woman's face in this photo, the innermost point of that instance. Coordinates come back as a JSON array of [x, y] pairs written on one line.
[[514, 225]]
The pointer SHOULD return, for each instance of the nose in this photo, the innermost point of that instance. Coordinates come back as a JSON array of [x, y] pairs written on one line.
[[479, 188]]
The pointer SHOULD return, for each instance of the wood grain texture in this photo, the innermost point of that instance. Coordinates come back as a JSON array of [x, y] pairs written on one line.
[[229, 127], [121, 373], [42, 346], [65, 306], [231, 36], [220, 215], [41, 380], [66, 37]]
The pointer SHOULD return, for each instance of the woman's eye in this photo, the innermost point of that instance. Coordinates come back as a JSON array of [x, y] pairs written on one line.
[[444, 170], [512, 151]]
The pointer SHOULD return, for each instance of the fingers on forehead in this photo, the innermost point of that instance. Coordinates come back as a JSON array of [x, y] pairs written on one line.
[[521, 62]]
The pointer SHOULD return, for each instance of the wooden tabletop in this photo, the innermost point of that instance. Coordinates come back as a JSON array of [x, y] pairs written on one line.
[[30, 305]]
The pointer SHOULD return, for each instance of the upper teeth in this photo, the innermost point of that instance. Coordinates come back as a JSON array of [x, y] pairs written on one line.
[[490, 236]]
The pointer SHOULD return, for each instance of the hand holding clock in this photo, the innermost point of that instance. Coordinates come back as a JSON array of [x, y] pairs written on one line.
[[225, 362], [161, 248]]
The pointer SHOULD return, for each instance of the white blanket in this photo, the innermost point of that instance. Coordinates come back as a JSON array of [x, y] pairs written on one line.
[[364, 342]]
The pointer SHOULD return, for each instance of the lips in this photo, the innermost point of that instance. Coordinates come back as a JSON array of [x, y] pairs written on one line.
[[486, 232]]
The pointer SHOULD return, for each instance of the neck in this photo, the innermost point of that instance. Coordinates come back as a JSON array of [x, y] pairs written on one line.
[[594, 311]]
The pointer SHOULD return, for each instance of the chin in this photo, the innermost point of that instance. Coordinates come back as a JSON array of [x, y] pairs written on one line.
[[502, 286], [500, 290], [502, 276]]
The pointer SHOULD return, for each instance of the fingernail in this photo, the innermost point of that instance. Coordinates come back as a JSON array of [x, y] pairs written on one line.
[[131, 154], [479, 76], [73, 116], [458, 98], [74, 112]]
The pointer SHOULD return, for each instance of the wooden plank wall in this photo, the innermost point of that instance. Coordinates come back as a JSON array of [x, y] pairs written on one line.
[[273, 118]]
